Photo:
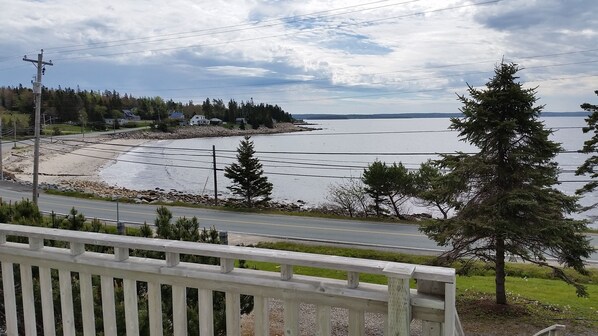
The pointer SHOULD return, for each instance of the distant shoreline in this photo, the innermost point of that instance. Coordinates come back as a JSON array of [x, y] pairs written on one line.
[[415, 115]]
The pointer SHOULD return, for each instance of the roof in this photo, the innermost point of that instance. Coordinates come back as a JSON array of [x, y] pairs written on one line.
[[176, 115]]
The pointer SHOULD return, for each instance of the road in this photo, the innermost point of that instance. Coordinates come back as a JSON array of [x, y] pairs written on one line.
[[389, 235]]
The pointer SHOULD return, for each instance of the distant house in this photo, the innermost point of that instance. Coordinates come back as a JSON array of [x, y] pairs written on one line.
[[215, 121], [129, 115], [119, 121], [199, 120], [240, 121], [176, 115]]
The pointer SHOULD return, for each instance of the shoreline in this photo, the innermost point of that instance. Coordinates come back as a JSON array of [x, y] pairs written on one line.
[[74, 163]]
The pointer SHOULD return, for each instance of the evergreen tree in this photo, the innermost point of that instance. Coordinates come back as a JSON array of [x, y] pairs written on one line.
[[376, 184], [590, 146], [247, 176], [511, 206], [436, 189]]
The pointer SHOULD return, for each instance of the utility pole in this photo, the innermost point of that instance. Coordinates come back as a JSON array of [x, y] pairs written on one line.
[[215, 180], [14, 131], [37, 90]]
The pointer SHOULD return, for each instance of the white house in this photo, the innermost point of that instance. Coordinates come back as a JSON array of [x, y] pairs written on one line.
[[199, 119]]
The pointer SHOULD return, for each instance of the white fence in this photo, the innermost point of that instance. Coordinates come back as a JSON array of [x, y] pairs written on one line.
[[433, 301]]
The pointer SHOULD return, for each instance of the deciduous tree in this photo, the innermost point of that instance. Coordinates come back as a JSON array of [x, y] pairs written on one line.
[[247, 175], [511, 205]]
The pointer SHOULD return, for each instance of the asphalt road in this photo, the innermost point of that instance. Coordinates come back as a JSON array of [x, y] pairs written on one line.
[[389, 235]]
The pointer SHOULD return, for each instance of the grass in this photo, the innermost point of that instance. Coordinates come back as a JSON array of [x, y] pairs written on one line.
[[536, 298]]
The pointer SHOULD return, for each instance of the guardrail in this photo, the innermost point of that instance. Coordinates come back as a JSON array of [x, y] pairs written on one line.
[[433, 301]]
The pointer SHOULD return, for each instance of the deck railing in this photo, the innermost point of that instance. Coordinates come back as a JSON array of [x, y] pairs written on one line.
[[433, 301]]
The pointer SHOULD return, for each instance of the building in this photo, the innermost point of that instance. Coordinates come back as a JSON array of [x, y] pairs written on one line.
[[199, 120]]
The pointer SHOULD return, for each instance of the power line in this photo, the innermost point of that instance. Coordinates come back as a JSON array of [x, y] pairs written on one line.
[[286, 34], [250, 25]]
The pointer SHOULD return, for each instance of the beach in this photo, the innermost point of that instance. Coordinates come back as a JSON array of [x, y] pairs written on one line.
[[74, 162]]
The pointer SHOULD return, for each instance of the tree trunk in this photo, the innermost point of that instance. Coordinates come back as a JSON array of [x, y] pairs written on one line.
[[394, 205], [501, 296], [444, 212]]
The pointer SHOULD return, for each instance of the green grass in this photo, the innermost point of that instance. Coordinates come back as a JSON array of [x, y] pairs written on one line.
[[64, 129]]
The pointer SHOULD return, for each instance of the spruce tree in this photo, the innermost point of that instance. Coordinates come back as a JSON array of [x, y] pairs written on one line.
[[247, 175], [590, 146], [511, 207]]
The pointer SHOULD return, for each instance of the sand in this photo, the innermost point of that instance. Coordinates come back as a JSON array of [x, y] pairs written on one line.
[[67, 159]]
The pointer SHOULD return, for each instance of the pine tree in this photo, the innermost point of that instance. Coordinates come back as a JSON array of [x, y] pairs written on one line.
[[247, 176], [590, 146], [510, 204]]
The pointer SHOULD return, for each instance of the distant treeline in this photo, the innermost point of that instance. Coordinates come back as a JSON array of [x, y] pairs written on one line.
[[93, 107]]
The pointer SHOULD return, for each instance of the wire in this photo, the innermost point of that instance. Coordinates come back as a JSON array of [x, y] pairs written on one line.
[[216, 30], [283, 35]]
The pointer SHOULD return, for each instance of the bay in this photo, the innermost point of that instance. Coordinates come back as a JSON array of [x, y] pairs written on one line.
[[302, 166]]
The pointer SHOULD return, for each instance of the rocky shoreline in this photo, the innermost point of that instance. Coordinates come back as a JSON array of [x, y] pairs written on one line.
[[188, 132]]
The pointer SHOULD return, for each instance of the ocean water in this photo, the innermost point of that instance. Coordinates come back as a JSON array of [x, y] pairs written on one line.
[[303, 166]]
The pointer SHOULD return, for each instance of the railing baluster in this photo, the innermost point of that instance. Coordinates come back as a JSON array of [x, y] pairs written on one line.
[[121, 253], [10, 301], [233, 314], [261, 313], [154, 302], [77, 248], [45, 284], [172, 259], [28, 300], [226, 265], [206, 312], [286, 272], [323, 320], [356, 322], [87, 305], [291, 317], [108, 307], [131, 307], [36, 244], [352, 279], [179, 310], [66, 302]]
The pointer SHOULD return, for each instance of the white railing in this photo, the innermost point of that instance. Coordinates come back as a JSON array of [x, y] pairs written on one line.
[[433, 301]]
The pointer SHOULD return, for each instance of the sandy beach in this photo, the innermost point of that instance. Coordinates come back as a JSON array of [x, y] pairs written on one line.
[[77, 160], [67, 159]]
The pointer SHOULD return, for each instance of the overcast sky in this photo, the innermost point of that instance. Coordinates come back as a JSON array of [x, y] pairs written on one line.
[[333, 56]]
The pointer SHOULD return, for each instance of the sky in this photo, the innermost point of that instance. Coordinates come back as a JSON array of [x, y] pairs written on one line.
[[310, 56]]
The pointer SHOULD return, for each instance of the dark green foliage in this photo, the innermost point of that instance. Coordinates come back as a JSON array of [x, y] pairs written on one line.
[[510, 205], [590, 146], [437, 189], [248, 180], [390, 185], [374, 179], [90, 108], [73, 221], [26, 212]]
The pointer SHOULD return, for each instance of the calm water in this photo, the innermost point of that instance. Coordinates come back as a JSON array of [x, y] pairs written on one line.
[[338, 149]]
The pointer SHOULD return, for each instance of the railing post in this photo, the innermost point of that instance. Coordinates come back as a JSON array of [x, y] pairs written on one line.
[[10, 301], [399, 298]]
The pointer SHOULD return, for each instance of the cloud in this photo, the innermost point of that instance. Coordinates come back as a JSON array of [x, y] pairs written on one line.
[[304, 54]]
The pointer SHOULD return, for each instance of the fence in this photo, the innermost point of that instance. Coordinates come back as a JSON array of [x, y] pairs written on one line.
[[433, 301]]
